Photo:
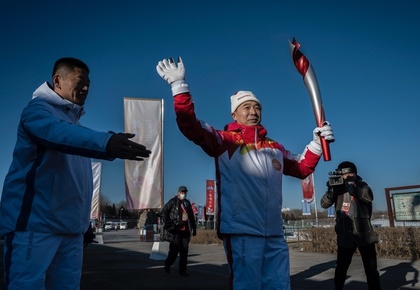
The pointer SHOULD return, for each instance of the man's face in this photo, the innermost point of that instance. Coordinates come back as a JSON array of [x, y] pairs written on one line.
[[73, 85], [248, 113], [349, 176], [182, 194]]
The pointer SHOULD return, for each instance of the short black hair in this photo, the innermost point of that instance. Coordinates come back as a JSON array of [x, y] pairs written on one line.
[[69, 64]]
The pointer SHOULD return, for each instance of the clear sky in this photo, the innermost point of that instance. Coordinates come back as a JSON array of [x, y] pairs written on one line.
[[364, 53]]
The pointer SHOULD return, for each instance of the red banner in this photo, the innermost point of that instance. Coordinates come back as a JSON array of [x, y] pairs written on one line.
[[194, 208], [210, 197], [308, 188]]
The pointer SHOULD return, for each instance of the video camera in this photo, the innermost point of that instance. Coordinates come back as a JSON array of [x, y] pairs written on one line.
[[335, 178]]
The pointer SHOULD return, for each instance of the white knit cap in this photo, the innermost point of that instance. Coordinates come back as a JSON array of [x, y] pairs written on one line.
[[240, 97]]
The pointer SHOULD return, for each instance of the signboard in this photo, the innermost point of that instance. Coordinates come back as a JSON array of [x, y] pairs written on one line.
[[406, 206]]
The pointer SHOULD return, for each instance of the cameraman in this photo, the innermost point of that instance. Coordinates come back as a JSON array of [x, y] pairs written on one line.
[[352, 199]]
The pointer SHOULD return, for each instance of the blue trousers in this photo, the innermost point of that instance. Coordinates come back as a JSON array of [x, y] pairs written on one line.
[[257, 263], [40, 261]]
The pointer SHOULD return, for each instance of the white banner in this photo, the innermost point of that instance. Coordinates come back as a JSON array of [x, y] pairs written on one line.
[[96, 170], [144, 179]]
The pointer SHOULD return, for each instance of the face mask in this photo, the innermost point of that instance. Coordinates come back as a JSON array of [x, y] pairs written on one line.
[[182, 196], [351, 179]]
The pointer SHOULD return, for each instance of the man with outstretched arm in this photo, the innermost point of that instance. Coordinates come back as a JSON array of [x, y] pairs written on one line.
[[249, 172], [47, 193]]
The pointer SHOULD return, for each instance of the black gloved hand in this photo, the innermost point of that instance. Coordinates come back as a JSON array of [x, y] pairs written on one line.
[[120, 147], [335, 190], [330, 191], [194, 232], [350, 187], [89, 237], [328, 185]]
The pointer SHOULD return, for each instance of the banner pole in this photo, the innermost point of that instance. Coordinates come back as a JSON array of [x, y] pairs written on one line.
[[316, 211]]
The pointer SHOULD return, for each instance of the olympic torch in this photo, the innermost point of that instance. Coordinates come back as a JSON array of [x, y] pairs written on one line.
[[304, 67]]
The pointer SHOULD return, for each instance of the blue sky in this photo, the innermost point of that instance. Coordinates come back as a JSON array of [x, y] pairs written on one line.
[[364, 53]]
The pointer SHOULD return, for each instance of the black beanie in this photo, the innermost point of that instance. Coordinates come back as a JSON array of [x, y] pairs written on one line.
[[348, 164]]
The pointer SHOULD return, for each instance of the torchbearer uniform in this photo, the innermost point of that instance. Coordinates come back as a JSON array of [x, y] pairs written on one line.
[[249, 172]]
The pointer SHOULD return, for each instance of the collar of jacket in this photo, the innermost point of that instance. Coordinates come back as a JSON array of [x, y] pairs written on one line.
[[46, 93], [249, 133]]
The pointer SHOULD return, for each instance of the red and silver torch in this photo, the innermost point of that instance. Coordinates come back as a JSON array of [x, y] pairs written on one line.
[[304, 67]]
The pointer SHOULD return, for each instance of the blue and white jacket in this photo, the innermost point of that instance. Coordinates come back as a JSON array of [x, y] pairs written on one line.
[[249, 171], [49, 185]]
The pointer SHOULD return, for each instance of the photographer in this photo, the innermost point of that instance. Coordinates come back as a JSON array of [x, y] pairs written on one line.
[[352, 199]]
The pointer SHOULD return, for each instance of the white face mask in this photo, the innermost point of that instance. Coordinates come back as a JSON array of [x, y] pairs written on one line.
[[182, 196]]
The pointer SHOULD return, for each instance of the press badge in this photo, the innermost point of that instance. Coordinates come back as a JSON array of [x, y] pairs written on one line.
[[346, 207], [184, 216]]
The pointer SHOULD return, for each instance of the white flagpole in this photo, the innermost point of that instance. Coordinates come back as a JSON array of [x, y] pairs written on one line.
[[316, 211], [163, 171]]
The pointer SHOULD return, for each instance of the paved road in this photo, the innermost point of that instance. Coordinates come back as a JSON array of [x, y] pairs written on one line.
[[122, 262]]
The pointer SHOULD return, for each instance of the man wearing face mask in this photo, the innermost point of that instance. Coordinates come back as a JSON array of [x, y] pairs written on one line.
[[179, 224], [352, 199]]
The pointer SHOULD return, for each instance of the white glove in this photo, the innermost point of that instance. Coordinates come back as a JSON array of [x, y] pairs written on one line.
[[326, 132], [174, 74]]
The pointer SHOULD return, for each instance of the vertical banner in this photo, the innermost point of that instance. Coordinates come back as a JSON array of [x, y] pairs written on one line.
[[201, 217], [308, 188], [96, 170], [144, 179], [210, 197], [306, 208], [194, 208], [330, 211]]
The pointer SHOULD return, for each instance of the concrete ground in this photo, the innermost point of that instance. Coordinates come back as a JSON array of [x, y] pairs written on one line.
[[120, 261]]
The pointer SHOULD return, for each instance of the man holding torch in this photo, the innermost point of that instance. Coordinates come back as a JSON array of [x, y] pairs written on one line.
[[249, 172]]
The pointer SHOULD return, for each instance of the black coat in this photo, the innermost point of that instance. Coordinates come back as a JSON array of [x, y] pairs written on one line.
[[353, 228], [171, 216]]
